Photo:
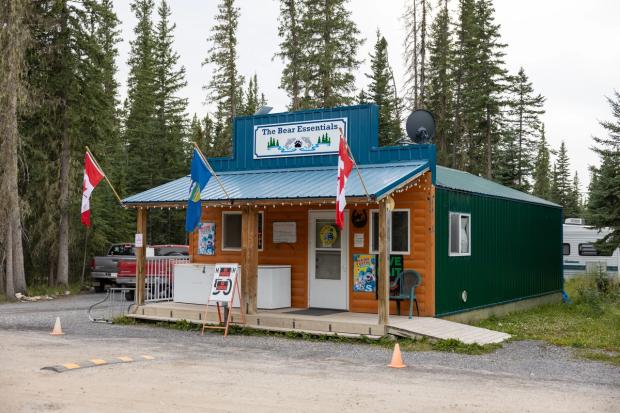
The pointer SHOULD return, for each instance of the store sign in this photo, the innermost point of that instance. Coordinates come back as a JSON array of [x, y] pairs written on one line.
[[298, 139], [224, 283]]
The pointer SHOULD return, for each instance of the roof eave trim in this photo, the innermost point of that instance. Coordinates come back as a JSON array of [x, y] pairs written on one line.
[[400, 183]]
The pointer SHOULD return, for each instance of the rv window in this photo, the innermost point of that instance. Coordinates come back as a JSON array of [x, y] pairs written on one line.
[[231, 230], [399, 238], [566, 249], [459, 237], [590, 250]]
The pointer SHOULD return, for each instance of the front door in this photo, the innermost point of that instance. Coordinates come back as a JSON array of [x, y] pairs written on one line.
[[327, 261]]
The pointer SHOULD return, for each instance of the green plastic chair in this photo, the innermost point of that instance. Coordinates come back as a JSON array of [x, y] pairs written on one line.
[[404, 289]]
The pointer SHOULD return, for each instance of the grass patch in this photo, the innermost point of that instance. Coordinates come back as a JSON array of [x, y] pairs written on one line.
[[124, 320], [591, 322], [406, 344], [606, 357], [44, 289]]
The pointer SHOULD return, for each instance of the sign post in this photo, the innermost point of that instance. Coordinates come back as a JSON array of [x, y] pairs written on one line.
[[223, 289]]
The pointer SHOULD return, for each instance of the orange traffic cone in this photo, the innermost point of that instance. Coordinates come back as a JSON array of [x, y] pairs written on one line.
[[57, 331], [397, 360]]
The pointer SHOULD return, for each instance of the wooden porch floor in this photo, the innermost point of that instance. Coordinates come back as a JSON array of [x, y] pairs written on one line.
[[342, 323]]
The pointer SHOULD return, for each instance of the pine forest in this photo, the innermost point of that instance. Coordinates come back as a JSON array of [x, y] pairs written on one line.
[[59, 93]]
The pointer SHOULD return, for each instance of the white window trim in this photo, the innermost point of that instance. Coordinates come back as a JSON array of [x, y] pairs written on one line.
[[371, 234], [261, 215], [458, 254]]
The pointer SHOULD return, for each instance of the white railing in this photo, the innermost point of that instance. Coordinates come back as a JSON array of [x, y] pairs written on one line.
[[159, 278]]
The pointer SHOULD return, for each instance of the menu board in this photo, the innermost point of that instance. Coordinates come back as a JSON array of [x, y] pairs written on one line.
[[284, 232]]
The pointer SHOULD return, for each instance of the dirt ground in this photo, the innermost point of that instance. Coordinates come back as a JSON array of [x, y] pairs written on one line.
[[241, 380], [241, 373]]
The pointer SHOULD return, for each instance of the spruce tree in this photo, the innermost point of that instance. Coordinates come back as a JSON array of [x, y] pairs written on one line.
[[523, 121], [440, 83], [604, 191], [292, 51], [542, 168], [382, 92], [170, 139], [226, 86], [331, 42], [562, 181], [417, 20], [171, 116], [141, 120], [253, 99]]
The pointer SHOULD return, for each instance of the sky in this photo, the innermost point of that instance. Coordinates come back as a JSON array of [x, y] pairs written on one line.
[[569, 49]]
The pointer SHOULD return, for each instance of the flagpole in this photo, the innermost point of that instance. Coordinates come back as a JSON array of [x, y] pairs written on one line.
[[355, 164], [120, 201], [204, 159]]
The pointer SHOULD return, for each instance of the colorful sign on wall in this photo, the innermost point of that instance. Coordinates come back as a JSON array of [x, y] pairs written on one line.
[[298, 139], [206, 238], [364, 273]]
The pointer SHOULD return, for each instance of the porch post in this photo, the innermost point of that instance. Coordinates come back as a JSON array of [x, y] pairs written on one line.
[[141, 256], [249, 271], [384, 265]]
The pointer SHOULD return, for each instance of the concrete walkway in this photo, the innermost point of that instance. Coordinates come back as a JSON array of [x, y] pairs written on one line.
[[444, 329]]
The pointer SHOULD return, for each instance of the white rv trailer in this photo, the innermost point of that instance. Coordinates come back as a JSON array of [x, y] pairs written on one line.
[[580, 254]]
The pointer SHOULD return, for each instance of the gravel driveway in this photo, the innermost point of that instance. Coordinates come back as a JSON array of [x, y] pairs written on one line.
[[532, 364]]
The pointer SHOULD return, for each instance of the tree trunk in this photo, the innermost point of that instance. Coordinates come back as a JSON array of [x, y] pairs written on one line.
[[423, 56], [12, 45], [62, 275], [489, 147], [9, 289]]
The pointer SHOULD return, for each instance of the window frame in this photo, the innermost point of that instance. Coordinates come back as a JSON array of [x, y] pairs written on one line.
[[261, 217], [593, 244], [371, 232], [564, 244], [460, 215]]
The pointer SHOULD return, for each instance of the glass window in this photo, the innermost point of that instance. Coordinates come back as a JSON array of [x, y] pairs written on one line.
[[122, 250], [231, 228], [399, 238], [590, 250], [459, 234], [566, 249], [400, 232]]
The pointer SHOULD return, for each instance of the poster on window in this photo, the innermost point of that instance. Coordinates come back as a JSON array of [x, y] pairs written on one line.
[[206, 238], [364, 273], [224, 281]]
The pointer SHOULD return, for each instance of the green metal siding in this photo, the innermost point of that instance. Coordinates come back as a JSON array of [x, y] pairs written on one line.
[[516, 251]]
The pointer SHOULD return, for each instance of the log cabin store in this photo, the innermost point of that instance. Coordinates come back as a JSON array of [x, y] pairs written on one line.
[[472, 244]]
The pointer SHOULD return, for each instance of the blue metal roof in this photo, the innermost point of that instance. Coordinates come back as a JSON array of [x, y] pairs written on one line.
[[297, 183], [464, 181]]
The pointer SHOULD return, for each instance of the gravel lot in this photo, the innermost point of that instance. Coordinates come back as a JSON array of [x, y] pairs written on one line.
[[543, 370]]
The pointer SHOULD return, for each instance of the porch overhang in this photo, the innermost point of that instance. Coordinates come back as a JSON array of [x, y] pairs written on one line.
[[285, 186]]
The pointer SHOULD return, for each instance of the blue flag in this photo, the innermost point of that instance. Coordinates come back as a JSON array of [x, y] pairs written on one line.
[[200, 176]]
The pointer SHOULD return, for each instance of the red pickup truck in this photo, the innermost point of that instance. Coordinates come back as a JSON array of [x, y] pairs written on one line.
[[105, 270], [159, 266]]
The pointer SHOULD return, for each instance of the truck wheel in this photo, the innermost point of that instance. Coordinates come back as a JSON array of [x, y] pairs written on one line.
[[129, 296], [100, 288]]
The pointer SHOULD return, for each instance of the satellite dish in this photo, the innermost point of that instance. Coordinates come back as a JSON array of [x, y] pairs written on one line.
[[263, 110], [421, 126]]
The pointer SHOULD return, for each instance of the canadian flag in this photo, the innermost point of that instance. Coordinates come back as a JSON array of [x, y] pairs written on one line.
[[92, 175], [345, 165]]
